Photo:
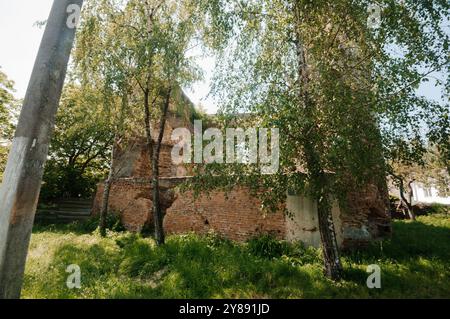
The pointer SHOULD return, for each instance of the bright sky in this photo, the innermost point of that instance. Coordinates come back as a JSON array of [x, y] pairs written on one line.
[[20, 40]]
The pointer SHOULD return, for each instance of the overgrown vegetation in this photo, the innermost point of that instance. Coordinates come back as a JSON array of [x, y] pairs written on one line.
[[439, 209], [414, 263], [79, 148], [8, 110], [342, 99]]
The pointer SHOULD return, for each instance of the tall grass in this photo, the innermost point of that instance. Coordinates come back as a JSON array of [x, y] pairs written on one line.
[[414, 263]]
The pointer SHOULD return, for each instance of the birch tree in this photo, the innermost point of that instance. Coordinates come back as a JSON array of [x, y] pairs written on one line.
[[139, 47], [343, 100]]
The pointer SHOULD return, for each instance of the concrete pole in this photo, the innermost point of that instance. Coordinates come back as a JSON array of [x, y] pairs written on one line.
[[22, 180]]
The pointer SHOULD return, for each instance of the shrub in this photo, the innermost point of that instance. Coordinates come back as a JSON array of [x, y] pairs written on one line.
[[60, 181], [439, 209], [215, 240], [113, 223], [266, 246]]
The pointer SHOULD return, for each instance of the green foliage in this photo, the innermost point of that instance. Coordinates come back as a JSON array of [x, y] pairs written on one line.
[[113, 223], [80, 147], [4, 150], [8, 115], [415, 263], [7, 106], [439, 209], [132, 46], [267, 246], [61, 181], [361, 84]]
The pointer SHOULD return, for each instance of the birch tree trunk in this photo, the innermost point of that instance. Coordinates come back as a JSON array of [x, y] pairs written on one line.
[[158, 214], [108, 183], [412, 216], [23, 176], [319, 180], [113, 171], [407, 204]]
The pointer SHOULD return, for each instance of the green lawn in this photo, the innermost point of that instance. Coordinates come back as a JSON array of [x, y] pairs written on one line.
[[415, 263]]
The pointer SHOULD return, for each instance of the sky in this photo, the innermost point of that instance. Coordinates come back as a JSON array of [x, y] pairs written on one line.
[[20, 39]]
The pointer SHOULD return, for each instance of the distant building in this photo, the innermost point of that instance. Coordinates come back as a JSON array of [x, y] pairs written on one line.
[[428, 194]]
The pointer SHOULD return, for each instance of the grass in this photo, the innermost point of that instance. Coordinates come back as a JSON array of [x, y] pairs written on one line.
[[415, 263]]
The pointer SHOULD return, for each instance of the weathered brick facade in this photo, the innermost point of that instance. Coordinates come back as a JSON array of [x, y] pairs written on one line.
[[235, 215], [366, 216]]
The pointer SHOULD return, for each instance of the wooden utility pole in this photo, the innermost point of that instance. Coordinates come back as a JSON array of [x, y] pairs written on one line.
[[22, 180]]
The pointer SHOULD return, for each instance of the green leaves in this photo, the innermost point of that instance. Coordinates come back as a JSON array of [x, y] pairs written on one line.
[[8, 107], [360, 81], [80, 147], [8, 113]]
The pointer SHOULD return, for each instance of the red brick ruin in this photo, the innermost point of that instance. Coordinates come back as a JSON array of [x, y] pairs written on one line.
[[235, 215]]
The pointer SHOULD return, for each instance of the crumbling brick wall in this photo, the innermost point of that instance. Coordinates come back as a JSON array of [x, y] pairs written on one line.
[[130, 199], [235, 215], [366, 216]]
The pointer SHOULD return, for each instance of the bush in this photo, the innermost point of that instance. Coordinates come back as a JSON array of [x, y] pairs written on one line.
[[215, 240], [113, 223], [439, 209], [267, 246], [60, 181]]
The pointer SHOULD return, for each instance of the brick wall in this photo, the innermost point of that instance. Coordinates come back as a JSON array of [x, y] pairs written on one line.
[[366, 216], [133, 161], [130, 199], [236, 216]]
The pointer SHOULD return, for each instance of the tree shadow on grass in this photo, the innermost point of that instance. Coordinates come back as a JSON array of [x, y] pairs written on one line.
[[409, 240], [189, 268], [228, 272], [414, 263]]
